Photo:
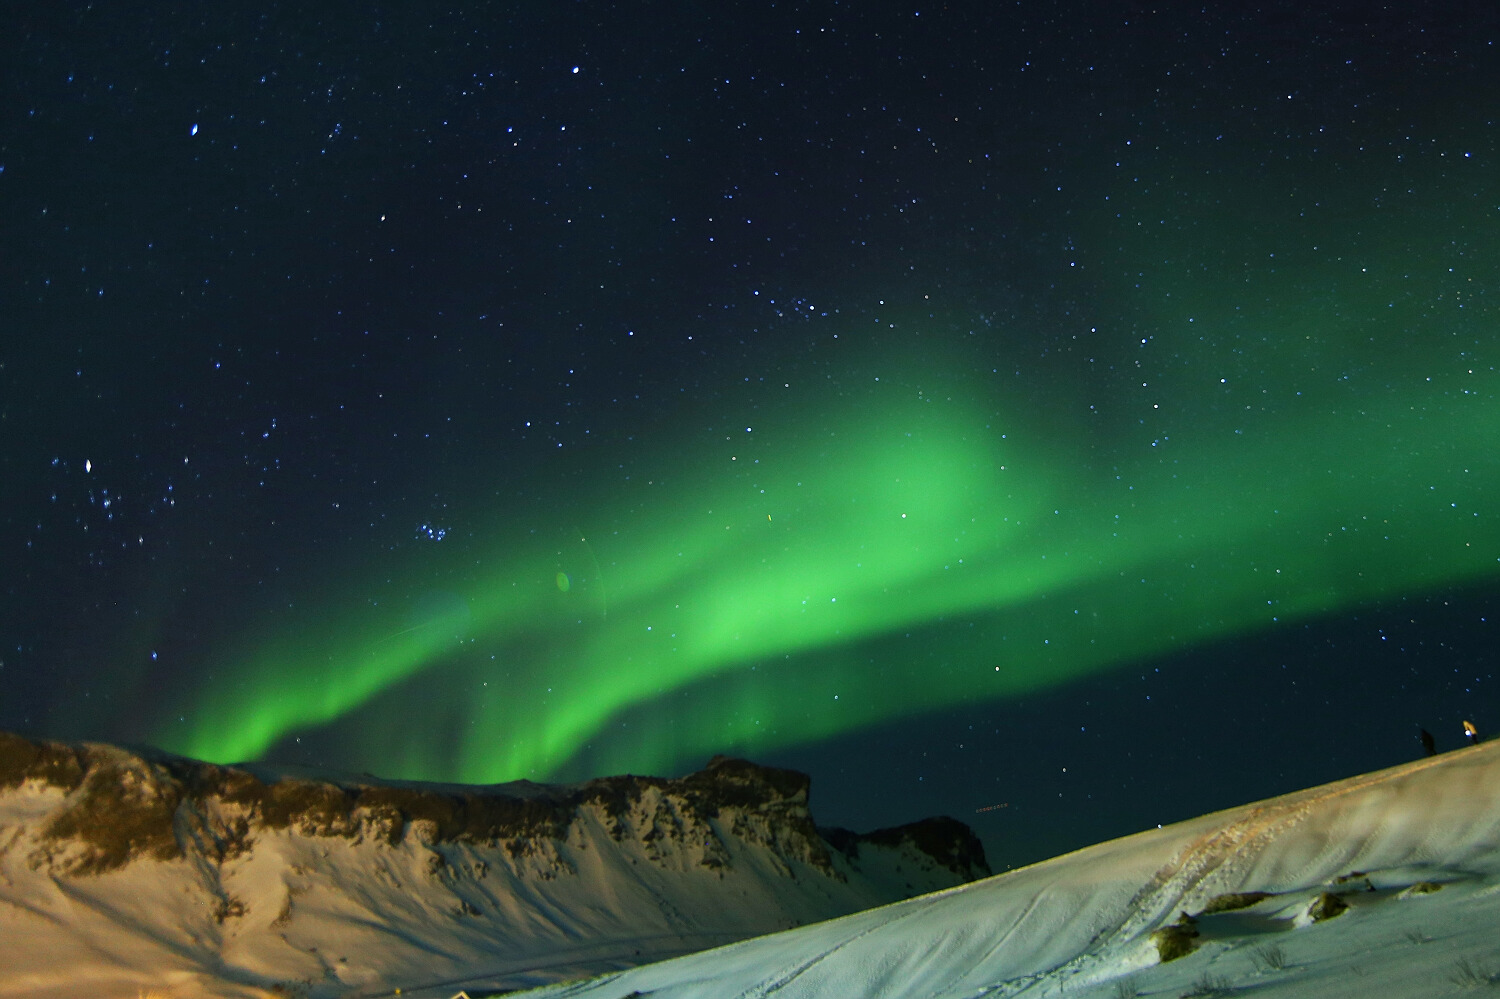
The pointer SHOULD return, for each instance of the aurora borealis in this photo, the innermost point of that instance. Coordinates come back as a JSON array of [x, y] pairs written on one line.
[[436, 399], [826, 540]]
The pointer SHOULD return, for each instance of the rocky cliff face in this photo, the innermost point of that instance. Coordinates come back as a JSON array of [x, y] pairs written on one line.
[[130, 867]]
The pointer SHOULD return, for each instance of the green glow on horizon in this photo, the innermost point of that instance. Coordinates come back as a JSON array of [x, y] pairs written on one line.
[[759, 595]]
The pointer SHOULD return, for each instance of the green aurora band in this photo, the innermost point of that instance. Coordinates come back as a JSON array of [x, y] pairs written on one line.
[[909, 551], [1311, 427]]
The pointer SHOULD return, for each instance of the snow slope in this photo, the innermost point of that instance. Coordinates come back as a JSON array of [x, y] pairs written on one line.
[[1412, 851], [123, 871]]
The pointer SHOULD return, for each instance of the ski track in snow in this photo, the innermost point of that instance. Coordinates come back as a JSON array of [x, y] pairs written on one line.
[[788, 976]]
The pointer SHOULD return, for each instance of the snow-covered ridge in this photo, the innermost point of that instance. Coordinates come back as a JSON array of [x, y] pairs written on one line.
[[123, 870], [1386, 884]]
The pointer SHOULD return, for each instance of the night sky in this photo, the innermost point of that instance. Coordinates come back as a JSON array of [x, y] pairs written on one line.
[[1068, 418]]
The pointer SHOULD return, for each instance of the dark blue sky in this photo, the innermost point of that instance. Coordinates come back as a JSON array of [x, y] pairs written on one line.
[[311, 309]]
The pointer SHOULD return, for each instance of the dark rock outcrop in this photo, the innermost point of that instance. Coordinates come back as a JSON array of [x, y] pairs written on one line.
[[124, 805], [950, 843]]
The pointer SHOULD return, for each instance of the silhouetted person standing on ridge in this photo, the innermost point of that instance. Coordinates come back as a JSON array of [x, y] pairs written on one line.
[[1428, 745]]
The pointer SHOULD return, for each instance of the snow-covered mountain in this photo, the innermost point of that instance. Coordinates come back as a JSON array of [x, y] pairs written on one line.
[[1385, 885], [123, 871]]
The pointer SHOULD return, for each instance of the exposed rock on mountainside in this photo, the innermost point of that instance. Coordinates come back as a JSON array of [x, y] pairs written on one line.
[[948, 842]]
